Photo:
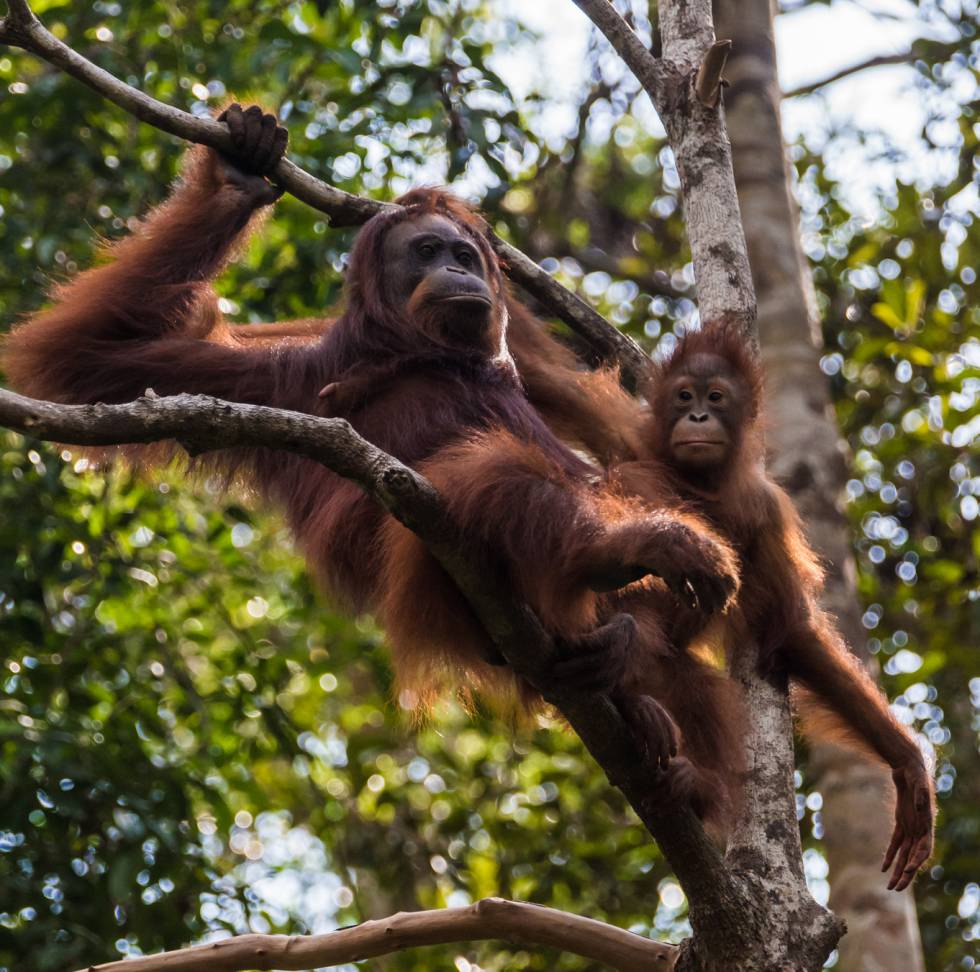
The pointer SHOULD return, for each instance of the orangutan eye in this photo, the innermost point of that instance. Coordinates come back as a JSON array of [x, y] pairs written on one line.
[[715, 396], [465, 258], [426, 250], [684, 395]]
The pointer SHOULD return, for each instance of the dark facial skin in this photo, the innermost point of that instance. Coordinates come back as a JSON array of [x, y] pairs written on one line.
[[705, 405], [435, 267]]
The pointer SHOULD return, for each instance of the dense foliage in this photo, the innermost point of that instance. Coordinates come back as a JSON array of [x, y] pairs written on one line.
[[190, 739]]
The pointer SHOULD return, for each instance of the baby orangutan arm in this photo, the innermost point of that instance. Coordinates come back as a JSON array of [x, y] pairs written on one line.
[[840, 701], [835, 696]]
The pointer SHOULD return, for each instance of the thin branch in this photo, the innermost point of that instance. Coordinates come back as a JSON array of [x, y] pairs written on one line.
[[649, 71], [913, 54], [881, 60], [22, 29], [491, 918]]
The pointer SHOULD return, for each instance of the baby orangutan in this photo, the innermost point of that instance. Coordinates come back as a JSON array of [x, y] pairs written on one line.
[[702, 443]]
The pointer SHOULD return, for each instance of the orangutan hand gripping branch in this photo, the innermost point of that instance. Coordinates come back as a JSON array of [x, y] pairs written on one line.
[[425, 308], [702, 444]]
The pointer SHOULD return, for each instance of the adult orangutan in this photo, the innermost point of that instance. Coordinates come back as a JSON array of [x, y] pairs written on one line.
[[701, 444], [426, 306]]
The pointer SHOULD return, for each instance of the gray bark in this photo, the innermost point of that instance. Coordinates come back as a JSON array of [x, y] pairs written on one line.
[[808, 456]]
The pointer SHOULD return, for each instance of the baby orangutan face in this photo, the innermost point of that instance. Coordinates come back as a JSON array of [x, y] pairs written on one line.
[[705, 407]]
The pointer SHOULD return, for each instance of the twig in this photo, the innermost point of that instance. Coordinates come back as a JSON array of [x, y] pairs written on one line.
[[881, 60], [20, 28], [491, 918]]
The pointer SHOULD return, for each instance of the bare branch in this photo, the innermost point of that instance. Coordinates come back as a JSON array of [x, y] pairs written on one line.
[[202, 424], [872, 62], [649, 71], [22, 29], [491, 918], [937, 49], [708, 83]]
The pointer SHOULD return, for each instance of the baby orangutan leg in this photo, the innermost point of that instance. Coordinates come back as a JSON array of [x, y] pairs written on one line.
[[595, 661], [598, 662]]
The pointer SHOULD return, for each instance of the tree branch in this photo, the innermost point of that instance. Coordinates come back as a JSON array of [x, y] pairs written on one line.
[[872, 62], [938, 49], [20, 28], [491, 918]]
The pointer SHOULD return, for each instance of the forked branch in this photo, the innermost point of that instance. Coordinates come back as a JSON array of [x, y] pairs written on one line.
[[491, 918]]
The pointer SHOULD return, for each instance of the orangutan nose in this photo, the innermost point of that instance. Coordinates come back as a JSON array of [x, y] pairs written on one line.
[[698, 416]]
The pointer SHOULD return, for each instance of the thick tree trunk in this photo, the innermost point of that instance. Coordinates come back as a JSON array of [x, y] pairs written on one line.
[[808, 457]]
